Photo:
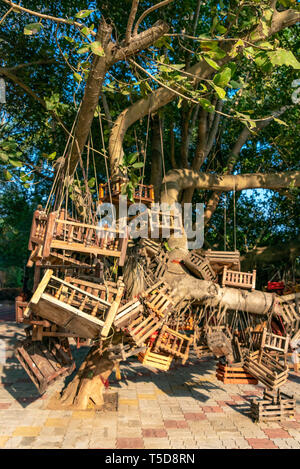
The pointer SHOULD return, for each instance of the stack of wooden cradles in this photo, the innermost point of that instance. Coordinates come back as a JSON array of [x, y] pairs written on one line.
[[79, 295]]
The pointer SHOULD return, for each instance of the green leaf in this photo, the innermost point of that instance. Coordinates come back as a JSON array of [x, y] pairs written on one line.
[[206, 104], [138, 165], [279, 121], [97, 48], [32, 28], [69, 39], [220, 91], [283, 57], [222, 79], [77, 77], [7, 175], [3, 157], [91, 182], [16, 163], [83, 13], [132, 158], [212, 63], [84, 49]]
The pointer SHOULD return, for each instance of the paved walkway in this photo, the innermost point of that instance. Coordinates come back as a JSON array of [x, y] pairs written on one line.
[[186, 407]]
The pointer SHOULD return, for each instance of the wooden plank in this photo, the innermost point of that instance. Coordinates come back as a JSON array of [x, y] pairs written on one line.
[[112, 312]]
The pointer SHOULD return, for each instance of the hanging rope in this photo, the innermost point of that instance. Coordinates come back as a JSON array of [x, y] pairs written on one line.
[[225, 221], [234, 219], [162, 153]]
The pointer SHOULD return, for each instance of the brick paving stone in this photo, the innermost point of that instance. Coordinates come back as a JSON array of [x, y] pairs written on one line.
[[188, 408], [261, 443], [277, 433], [195, 416], [129, 443], [281, 443], [154, 433]]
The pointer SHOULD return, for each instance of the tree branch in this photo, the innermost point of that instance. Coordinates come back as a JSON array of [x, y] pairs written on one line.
[[147, 12], [164, 95], [43, 16], [134, 7], [178, 180]]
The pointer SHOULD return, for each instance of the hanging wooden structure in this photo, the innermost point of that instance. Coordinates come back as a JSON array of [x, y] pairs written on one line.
[[200, 266], [160, 360], [45, 361], [266, 369], [219, 341], [232, 278], [69, 235], [72, 308], [219, 259], [174, 343], [111, 191]]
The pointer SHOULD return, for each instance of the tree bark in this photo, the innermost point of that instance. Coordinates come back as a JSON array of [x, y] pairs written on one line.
[[181, 179], [86, 389]]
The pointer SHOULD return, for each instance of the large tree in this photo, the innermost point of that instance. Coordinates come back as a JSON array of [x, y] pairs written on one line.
[[198, 90]]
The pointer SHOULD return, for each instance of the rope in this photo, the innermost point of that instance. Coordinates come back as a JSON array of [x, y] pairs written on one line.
[[225, 234], [105, 160], [162, 152], [234, 220]]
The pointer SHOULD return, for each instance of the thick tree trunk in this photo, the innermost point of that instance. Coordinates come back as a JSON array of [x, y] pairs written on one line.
[[86, 389]]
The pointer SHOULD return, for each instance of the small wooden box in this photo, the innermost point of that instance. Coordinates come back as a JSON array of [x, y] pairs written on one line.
[[273, 407], [266, 369], [155, 360], [44, 362], [234, 375]]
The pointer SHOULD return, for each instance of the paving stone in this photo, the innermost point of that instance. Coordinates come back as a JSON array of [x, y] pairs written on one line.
[[277, 433], [187, 408]]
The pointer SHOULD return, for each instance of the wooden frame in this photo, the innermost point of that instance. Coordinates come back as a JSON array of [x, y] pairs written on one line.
[[44, 362], [141, 328], [20, 307], [174, 343], [273, 407], [69, 235], [38, 229], [232, 278], [152, 359], [142, 193], [288, 307], [127, 313], [266, 369], [234, 374], [220, 258], [157, 298], [74, 308], [200, 266]]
